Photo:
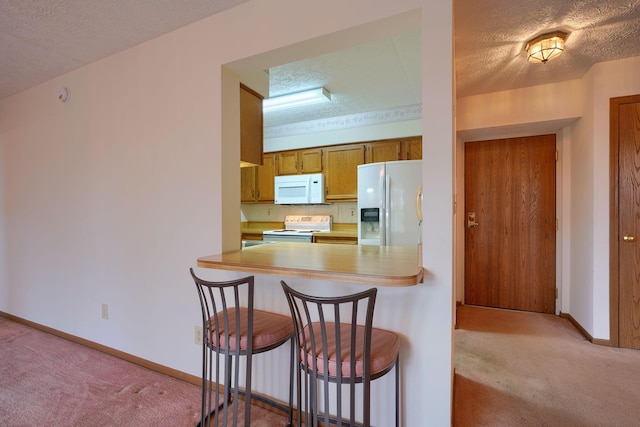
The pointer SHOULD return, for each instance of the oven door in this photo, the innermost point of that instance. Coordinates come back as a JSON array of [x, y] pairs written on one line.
[[287, 237]]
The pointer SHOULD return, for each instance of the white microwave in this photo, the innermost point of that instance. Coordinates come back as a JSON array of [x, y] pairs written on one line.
[[299, 189]]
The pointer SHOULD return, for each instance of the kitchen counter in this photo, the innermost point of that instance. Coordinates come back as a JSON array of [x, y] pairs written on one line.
[[259, 227], [342, 230], [337, 230], [364, 264]]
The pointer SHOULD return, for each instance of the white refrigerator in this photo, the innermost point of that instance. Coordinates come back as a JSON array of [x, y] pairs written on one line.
[[390, 203]]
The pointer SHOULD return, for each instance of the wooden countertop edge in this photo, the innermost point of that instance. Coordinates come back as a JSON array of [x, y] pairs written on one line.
[[398, 281]]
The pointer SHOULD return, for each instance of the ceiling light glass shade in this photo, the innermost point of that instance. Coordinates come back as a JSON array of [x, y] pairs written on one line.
[[307, 97], [545, 47]]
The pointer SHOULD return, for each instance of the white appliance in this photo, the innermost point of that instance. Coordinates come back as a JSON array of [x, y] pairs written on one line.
[[390, 203], [299, 189], [299, 228]]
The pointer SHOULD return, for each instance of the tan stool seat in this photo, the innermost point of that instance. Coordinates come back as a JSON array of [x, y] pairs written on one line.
[[269, 329], [385, 346]]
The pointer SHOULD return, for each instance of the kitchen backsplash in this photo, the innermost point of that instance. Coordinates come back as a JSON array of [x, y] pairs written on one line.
[[340, 212]]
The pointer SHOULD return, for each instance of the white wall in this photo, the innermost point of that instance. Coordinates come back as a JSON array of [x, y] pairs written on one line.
[[111, 197], [581, 220], [563, 207], [435, 299], [4, 287], [519, 108]]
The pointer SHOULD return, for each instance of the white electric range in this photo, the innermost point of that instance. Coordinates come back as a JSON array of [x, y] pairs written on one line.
[[299, 228]]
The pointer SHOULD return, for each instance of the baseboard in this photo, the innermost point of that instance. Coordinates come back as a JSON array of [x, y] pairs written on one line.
[[174, 373], [584, 332], [257, 399]]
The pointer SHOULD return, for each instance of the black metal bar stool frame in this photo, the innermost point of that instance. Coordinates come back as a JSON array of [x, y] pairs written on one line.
[[308, 314], [221, 305]]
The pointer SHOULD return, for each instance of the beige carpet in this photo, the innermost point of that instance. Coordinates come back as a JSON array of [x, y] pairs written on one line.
[[527, 369], [46, 380]]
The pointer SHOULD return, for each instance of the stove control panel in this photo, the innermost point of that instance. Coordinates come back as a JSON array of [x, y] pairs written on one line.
[[308, 222]]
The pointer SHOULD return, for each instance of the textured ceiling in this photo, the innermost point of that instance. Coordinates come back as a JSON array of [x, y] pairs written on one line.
[[491, 36], [40, 40], [368, 77]]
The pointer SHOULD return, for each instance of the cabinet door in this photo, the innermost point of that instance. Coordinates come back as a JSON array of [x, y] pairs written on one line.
[[287, 163], [412, 148], [251, 126], [266, 173], [341, 171], [336, 240], [383, 151], [251, 236], [248, 184], [310, 160]]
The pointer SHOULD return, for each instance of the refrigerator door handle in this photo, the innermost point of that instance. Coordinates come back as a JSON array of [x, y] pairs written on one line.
[[387, 211], [419, 204], [382, 210]]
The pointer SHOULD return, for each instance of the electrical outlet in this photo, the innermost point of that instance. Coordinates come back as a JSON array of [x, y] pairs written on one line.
[[198, 334], [105, 311], [268, 212], [353, 212]]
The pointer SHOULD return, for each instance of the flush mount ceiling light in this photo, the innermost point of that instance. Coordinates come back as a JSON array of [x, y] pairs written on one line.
[[312, 96], [545, 47]]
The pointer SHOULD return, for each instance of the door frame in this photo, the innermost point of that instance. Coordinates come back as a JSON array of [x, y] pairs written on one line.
[[614, 171]]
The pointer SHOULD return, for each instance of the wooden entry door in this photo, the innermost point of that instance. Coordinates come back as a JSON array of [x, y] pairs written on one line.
[[625, 221], [510, 224]]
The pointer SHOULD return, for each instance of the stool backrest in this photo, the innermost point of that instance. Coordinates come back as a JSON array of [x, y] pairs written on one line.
[[218, 298]]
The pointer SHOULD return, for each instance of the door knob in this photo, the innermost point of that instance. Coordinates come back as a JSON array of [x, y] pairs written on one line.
[[471, 220], [629, 238]]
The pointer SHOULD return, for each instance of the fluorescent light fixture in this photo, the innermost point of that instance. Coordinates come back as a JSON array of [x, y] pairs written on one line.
[[545, 47], [307, 97]]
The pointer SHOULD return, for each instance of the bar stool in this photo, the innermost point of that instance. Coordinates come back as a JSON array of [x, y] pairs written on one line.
[[366, 353], [227, 326]]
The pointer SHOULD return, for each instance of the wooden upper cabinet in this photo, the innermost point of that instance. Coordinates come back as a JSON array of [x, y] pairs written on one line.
[[310, 160], [256, 182], [341, 171], [383, 151], [265, 176], [287, 163], [251, 126], [299, 161], [248, 184], [412, 148]]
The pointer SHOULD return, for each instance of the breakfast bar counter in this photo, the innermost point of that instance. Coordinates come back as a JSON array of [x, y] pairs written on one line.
[[364, 264]]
